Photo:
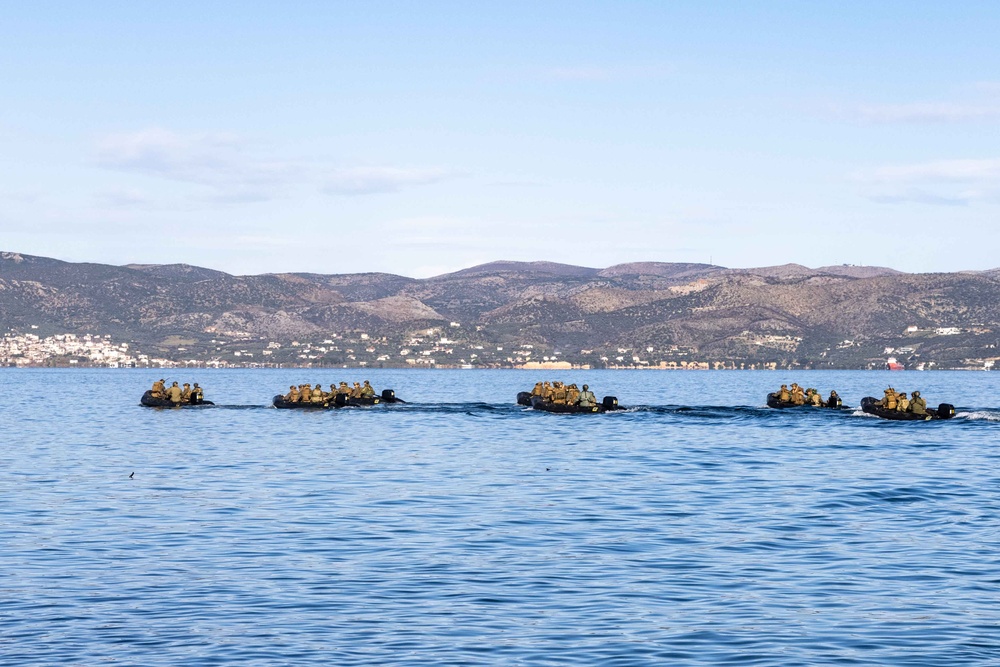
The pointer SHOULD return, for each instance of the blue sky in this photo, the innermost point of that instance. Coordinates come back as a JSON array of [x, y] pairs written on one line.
[[423, 137]]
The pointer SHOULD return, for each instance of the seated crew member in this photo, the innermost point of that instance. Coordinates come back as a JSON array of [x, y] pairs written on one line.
[[918, 405], [834, 400], [316, 395], [546, 391], [559, 394], [798, 396], [587, 398], [367, 391], [816, 399], [174, 394], [356, 390], [197, 394], [902, 403], [333, 391], [159, 389], [306, 391], [537, 389], [293, 394], [572, 395], [344, 389], [784, 395], [186, 393], [889, 400]]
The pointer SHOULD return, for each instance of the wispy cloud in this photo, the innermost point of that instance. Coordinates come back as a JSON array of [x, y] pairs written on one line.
[[977, 102], [123, 198], [927, 112], [606, 73], [938, 182], [231, 169], [375, 180], [223, 163]]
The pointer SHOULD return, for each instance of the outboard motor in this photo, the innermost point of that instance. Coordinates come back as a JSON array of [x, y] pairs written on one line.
[[524, 398], [946, 411], [388, 396], [610, 403]]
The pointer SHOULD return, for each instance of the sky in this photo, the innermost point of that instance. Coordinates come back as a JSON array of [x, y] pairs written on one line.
[[420, 138]]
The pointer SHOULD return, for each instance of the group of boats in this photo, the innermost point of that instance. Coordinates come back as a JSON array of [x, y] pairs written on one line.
[[869, 405]]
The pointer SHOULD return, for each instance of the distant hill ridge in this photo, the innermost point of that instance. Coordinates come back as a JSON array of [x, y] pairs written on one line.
[[785, 314]]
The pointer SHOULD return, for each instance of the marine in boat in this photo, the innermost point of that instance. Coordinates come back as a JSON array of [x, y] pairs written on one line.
[[565, 399]]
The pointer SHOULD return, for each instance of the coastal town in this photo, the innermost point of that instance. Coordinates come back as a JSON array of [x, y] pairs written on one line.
[[435, 347]]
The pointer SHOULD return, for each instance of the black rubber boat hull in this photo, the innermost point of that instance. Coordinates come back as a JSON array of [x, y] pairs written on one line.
[[150, 402], [869, 404], [773, 402], [524, 398], [388, 396], [609, 404], [280, 403]]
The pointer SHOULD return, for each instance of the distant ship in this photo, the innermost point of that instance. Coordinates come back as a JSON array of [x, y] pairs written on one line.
[[893, 365]]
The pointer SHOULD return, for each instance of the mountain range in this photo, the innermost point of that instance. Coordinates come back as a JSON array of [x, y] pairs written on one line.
[[508, 313]]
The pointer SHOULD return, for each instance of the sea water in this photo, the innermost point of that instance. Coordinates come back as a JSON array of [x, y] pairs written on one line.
[[696, 527]]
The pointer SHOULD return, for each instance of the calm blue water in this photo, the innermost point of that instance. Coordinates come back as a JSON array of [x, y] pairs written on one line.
[[462, 530]]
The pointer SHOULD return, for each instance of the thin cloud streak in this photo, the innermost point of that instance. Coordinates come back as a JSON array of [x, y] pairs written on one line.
[[598, 73], [940, 182], [380, 180], [927, 112]]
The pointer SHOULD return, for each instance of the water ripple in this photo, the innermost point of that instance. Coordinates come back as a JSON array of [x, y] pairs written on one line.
[[481, 533]]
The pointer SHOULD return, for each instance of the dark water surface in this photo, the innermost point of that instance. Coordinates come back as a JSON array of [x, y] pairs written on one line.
[[459, 529]]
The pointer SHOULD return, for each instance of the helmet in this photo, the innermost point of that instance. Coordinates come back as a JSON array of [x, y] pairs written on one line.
[[586, 387], [916, 393]]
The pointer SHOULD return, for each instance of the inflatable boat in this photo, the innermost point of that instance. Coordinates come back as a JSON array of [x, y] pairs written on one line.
[[538, 403], [774, 402], [870, 405], [151, 402], [337, 401]]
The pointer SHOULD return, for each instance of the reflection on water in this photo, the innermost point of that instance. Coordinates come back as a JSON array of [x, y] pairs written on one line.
[[696, 527]]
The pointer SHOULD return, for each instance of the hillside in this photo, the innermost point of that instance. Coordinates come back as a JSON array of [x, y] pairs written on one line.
[[509, 313]]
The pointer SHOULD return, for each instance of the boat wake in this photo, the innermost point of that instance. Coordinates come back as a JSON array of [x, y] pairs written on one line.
[[672, 412], [979, 415]]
